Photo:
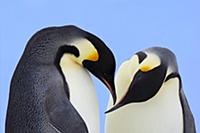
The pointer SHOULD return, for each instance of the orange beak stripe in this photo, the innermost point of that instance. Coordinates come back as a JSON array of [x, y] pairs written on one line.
[[93, 57]]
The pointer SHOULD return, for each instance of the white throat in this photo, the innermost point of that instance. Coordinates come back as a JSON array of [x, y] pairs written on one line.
[[82, 92], [160, 114]]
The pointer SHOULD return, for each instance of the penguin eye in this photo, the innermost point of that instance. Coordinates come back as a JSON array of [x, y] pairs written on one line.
[[141, 76]]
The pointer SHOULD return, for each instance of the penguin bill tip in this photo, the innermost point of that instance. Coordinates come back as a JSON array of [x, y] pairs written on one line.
[[113, 108]]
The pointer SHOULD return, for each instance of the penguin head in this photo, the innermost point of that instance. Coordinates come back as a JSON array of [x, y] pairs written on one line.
[[141, 77], [90, 52]]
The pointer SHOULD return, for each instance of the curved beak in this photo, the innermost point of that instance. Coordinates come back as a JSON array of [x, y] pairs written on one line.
[[108, 80], [104, 74], [114, 108]]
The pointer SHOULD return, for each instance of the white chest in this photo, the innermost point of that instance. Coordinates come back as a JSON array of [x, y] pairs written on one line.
[[161, 114], [82, 93]]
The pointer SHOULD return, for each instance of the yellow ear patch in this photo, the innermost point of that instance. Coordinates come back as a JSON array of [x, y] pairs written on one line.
[[151, 62], [93, 57], [87, 51], [145, 68]]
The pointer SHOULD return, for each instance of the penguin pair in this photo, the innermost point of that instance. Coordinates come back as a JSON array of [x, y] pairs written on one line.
[[52, 92]]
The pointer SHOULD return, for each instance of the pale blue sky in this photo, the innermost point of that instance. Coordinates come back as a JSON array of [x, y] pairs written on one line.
[[126, 26]]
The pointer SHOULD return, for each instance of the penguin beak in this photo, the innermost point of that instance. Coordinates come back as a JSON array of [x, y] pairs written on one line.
[[114, 108], [105, 75], [109, 82]]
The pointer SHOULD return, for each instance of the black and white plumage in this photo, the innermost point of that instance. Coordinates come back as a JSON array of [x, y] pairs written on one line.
[[43, 95], [150, 96]]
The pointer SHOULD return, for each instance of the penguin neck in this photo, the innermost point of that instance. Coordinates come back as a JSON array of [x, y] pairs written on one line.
[[82, 92]]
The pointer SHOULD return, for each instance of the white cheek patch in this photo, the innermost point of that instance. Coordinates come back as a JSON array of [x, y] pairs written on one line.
[[86, 49], [125, 75], [133, 65]]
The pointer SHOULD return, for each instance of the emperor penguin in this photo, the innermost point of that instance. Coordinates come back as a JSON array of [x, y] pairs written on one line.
[[51, 90], [150, 97]]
